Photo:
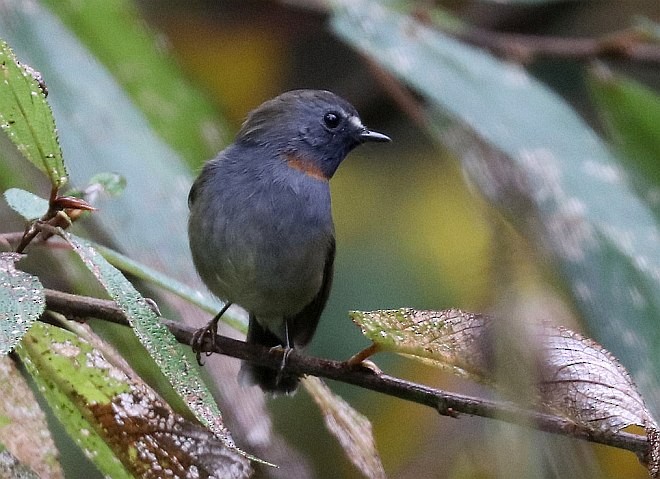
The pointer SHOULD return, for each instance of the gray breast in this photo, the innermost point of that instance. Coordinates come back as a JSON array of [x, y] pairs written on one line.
[[262, 245]]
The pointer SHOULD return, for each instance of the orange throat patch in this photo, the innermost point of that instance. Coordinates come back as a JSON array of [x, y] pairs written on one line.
[[307, 166]]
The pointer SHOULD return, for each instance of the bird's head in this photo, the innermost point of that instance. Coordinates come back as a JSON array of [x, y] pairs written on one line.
[[311, 130]]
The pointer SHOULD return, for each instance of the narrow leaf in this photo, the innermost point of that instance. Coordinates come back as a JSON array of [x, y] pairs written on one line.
[[115, 416], [156, 338], [27, 119], [352, 429], [579, 379], [115, 33], [22, 422], [631, 114], [159, 342], [199, 298], [21, 302]]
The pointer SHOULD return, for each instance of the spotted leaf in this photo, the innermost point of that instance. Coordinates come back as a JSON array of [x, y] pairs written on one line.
[[125, 427], [21, 302], [26, 117], [578, 378]]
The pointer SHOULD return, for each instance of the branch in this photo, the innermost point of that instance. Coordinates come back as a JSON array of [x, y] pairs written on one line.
[[626, 45], [447, 404]]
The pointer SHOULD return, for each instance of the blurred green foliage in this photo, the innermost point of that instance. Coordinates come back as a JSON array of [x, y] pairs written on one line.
[[117, 36], [631, 114]]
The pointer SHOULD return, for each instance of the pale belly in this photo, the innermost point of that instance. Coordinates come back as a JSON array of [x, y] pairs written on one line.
[[268, 260]]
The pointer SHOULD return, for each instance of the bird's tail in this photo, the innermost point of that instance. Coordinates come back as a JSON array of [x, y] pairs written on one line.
[[269, 380]]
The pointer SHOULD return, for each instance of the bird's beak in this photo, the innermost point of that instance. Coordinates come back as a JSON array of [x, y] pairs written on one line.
[[367, 135]]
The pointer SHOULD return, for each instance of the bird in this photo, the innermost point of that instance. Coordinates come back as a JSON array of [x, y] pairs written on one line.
[[260, 227]]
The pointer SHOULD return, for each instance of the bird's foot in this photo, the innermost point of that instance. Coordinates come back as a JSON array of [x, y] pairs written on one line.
[[199, 338], [286, 351], [210, 330]]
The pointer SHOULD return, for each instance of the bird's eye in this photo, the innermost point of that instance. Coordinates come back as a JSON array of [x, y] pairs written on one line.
[[332, 120]]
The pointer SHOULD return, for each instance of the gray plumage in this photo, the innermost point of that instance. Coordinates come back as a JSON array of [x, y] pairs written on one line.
[[260, 226]]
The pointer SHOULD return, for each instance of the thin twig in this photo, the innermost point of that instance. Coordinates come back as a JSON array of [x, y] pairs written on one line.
[[625, 45], [447, 404], [630, 44], [80, 307], [30, 233]]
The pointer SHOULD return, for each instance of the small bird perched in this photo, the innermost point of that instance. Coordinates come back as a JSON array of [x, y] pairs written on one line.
[[260, 227]]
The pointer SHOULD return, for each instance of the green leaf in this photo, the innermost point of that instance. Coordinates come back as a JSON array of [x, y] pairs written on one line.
[[631, 114], [112, 184], [115, 416], [451, 340], [204, 300], [28, 205], [532, 156], [156, 338], [75, 381], [22, 302], [27, 119], [115, 32]]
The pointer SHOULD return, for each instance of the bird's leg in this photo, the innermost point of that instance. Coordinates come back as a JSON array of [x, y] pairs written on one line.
[[287, 350], [211, 329]]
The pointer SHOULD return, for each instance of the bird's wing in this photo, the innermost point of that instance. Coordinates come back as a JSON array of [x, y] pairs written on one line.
[[193, 190], [205, 175], [303, 324]]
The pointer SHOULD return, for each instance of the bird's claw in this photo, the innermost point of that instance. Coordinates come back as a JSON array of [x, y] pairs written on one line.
[[211, 329], [197, 341], [286, 351]]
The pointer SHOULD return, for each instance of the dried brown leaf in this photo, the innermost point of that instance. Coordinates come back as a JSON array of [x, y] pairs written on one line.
[[352, 429], [578, 378], [23, 428], [586, 383], [652, 458]]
